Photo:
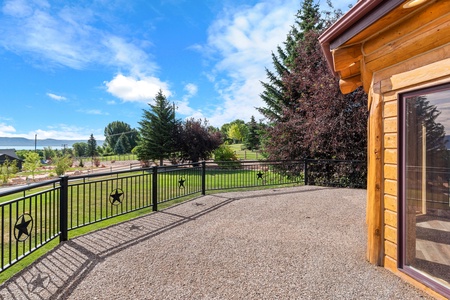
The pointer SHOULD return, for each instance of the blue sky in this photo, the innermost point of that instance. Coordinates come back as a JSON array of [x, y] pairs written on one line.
[[69, 68]]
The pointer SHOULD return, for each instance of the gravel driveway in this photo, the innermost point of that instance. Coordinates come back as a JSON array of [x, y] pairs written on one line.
[[292, 243]]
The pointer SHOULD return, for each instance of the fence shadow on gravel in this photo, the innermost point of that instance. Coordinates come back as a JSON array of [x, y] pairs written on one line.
[[34, 215], [58, 273]]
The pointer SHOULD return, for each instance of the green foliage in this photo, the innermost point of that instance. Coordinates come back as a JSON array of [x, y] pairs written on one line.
[[49, 153], [224, 156], [158, 129], [7, 169], [309, 116], [224, 131], [21, 153], [237, 131], [120, 137], [252, 137], [274, 93], [62, 164], [32, 162], [91, 146], [195, 140], [80, 149]]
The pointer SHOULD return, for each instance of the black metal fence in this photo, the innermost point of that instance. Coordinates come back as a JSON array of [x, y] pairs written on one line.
[[33, 215]]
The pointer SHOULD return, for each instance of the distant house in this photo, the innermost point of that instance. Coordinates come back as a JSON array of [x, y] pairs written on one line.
[[10, 154]]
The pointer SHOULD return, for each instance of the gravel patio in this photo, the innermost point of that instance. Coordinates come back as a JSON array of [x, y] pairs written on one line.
[[293, 243]]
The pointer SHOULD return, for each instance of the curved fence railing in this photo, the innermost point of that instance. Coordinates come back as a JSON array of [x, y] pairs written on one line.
[[35, 214]]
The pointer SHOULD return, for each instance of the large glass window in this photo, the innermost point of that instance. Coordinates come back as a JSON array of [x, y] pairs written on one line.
[[425, 186]]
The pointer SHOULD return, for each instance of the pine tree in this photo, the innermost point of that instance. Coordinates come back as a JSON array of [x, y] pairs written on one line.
[[274, 94], [122, 131], [315, 120], [252, 139], [158, 131], [92, 146]]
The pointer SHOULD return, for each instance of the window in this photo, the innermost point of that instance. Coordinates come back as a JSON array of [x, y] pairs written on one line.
[[424, 186]]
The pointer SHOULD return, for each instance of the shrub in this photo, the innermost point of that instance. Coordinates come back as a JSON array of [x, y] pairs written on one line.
[[225, 157], [97, 162], [63, 163]]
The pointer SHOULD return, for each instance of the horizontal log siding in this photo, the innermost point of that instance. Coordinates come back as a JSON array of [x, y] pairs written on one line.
[[390, 180]]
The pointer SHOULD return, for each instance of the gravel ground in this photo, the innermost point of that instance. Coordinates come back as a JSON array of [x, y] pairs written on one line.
[[291, 243]]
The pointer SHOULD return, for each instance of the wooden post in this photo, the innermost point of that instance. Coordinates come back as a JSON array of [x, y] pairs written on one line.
[[374, 180]]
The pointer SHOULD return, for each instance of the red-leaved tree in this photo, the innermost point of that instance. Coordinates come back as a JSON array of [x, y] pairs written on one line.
[[318, 121]]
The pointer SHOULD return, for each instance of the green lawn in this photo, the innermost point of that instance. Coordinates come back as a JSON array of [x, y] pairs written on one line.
[[245, 154]]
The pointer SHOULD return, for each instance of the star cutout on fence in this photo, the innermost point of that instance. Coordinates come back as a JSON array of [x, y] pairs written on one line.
[[259, 175], [23, 226], [181, 182], [38, 283], [116, 197]]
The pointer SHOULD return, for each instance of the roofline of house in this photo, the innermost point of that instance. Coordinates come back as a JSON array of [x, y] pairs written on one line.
[[361, 9]]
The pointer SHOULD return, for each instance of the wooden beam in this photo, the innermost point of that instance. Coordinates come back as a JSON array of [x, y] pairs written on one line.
[[344, 57], [348, 85], [406, 27], [374, 181], [431, 36]]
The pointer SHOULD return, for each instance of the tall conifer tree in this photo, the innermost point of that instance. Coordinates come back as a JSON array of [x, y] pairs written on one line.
[[158, 131], [274, 94]]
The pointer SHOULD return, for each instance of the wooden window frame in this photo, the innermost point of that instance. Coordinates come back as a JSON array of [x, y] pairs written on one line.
[[401, 213]]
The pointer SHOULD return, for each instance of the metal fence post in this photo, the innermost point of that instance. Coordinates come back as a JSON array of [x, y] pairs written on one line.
[[203, 178], [155, 188], [306, 172], [63, 208]]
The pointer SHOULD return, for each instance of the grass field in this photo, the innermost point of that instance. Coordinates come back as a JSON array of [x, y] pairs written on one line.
[[245, 154]]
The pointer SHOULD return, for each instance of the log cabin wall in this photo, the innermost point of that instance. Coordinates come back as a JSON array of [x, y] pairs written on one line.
[[426, 70], [402, 50]]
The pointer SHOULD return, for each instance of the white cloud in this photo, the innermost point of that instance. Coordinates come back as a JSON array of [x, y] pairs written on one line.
[[69, 36], [56, 97], [183, 105], [58, 131], [66, 132], [136, 89], [191, 88], [6, 130], [242, 41], [17, 8]]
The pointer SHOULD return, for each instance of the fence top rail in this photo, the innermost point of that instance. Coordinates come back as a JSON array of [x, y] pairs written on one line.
[[289, 161], [22, 188]]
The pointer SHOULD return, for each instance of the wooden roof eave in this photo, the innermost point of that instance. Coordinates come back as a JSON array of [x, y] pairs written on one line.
[[344, 43]]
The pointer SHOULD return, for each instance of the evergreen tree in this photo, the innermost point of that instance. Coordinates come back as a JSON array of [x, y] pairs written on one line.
[[158, 131], [92, 146], [122, 131], [122, 145], [274, 94], [252, 139], [314, 119]]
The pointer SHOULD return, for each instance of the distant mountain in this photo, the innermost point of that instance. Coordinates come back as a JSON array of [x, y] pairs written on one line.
[[6, 142]]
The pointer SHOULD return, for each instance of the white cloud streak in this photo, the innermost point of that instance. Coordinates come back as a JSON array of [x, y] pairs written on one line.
[[67, 37], [243, 40], [60, 131], [56, 97], [6, 130]]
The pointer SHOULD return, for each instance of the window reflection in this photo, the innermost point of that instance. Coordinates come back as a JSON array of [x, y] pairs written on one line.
[[427, 185]]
